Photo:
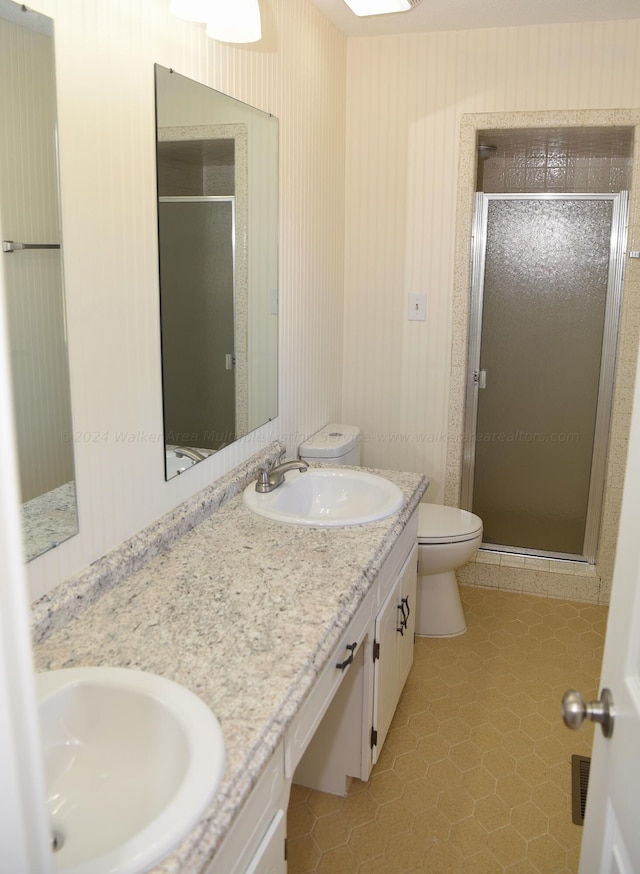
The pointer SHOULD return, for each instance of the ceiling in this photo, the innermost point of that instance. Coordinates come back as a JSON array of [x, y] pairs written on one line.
[[433, 15]]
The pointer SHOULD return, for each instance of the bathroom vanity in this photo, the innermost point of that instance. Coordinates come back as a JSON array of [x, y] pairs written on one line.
[[299, 640]]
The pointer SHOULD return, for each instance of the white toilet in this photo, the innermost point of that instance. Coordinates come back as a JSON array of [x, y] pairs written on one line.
[[447, 539], [333, 444]]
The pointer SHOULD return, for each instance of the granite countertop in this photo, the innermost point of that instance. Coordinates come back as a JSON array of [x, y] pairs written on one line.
[[243, 611], [49, 519]]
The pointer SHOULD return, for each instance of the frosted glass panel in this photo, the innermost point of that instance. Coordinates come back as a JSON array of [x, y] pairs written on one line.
[[196, 303], [546, 273]]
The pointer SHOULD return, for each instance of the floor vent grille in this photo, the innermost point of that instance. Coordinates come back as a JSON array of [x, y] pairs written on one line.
[[580, 766]]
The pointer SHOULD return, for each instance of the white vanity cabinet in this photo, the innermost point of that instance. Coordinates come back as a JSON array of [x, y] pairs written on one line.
[[332, 737], [348, 740]]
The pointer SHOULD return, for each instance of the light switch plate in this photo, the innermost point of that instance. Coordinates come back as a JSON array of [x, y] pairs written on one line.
[[417, 307]]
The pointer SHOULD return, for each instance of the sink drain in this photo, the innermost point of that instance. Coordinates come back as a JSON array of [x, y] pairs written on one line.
[[57, 841]]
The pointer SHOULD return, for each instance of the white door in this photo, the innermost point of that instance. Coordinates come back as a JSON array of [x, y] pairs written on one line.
[[611, 840]]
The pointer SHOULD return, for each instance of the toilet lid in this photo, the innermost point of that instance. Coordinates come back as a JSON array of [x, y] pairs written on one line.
[[332, 441], [439, 524]]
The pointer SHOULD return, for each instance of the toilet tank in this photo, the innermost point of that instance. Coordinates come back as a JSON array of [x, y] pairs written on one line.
[[333, 444]]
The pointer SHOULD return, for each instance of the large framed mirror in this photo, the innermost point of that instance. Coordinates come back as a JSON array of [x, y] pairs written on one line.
[[33, 278], [217, 171]]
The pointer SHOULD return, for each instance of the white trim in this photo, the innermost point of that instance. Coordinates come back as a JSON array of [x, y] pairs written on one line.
[[24, 830]]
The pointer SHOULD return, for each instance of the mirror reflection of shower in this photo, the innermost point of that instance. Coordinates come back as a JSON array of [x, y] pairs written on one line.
[[485, 151]]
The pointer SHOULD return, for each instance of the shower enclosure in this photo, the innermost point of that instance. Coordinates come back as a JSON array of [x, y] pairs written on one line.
[[546, 286]]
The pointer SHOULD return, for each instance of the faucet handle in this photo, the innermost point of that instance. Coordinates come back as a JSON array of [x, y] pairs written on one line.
[[269, 465]]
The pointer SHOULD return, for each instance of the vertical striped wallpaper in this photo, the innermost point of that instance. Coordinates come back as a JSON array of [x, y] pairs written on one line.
[[105, 54], [352, 355], [405, 99]]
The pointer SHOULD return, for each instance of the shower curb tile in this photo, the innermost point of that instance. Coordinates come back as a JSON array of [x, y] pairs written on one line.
[[507, 560], [488, 576], [537, 564], [466, 575], [563, 567], [575, 588], [486, 558]]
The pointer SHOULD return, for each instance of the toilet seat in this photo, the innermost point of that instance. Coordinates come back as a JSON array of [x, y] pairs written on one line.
[[440, 524]]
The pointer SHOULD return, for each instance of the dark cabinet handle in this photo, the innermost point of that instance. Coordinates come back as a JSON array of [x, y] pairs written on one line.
[[345, 664], [405, 602], [405, 615]]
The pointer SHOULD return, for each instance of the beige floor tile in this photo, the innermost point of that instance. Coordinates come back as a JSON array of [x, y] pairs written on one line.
[[330, 831], [475, 774]]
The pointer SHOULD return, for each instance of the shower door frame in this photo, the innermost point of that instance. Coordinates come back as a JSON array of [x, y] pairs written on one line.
[[619, 225]]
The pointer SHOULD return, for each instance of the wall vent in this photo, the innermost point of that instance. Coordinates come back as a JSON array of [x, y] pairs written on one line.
[[580, 767]]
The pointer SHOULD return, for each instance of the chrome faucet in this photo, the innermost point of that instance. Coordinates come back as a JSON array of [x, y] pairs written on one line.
[[272, 474], [187, 452]]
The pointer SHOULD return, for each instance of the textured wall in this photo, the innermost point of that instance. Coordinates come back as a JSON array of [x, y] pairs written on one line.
[[405, 99], [105, 56]]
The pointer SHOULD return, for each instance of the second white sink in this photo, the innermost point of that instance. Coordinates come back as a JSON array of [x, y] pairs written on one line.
[[131, 760], [327, 497]]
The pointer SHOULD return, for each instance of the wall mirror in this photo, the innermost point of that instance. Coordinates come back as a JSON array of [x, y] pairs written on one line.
[[217, 171], [33, 279]]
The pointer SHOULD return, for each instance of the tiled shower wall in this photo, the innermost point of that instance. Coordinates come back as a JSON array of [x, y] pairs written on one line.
[[552, 168]]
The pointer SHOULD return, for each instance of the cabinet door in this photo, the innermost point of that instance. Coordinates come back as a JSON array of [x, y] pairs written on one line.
[[407, 591], [395, 625], [385, 695]]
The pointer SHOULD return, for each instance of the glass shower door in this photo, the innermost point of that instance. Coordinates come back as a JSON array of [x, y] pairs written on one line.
[[545, 318], [197, 295]]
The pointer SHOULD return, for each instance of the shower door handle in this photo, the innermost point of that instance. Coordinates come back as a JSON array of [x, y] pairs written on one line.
[[480, 378]]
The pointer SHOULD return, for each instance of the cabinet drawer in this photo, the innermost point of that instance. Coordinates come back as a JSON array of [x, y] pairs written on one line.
[[269, 858], [252, 822], [308, 718]]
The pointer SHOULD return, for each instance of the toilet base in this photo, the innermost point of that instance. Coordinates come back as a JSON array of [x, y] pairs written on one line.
[[439, 610]]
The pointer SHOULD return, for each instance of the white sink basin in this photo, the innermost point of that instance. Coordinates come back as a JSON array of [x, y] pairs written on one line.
[[131, 761], [327, 497]]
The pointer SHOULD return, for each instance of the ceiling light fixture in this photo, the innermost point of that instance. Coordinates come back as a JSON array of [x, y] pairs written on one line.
[[380, 7], [235, 21]]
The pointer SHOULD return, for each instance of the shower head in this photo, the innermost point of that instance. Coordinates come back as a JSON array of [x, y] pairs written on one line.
[[485, 150]]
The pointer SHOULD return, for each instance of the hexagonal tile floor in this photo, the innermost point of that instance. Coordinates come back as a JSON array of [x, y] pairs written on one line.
[[475, 774]]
